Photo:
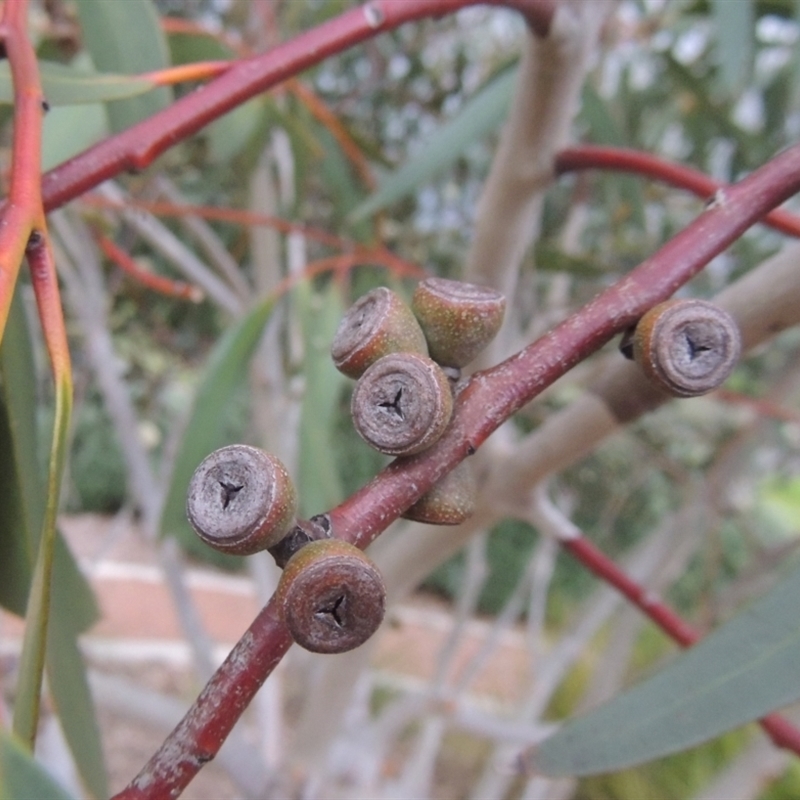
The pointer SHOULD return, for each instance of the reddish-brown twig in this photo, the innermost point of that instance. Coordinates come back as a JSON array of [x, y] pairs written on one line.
[[22, 212], [493, 396], [620, 159], [765, 408], [137, 147], [158, 283]]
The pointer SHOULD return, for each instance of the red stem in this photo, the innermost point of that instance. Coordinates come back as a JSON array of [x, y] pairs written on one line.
[[23, 208], [779, 729], [597, 562], [138, 146], [158, 283], [619, 159], [200, 734]]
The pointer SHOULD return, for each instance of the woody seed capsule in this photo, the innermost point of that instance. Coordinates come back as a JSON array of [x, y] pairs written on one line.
[[687, 347], [459, 319], [377, 324], [331, 596], [241, 500], [402, 404], [450, 501]]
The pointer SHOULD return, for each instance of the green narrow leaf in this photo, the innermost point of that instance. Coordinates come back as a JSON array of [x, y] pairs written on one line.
[[63, 85], [734, 43], [224, 374], [21, 778], [37, 614], [606, 128], [68, 130], [126, 38], [21, 516], [66, 676], [23, 475], [741, 672], [479, 116], [320, 312], [19, 394], [20, 487], [230, 134], [15, 562]]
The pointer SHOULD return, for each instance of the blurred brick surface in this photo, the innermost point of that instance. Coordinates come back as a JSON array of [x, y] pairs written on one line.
[[136, 609]]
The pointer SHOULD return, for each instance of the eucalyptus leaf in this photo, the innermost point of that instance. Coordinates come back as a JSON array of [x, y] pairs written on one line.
[[126, 38], [63, 85], [21, 777], [15, 558], [320, 313], [68, 130], [73, 607], [744, 670], [69, 687], [479, 116], [230, 134], [734, 41]]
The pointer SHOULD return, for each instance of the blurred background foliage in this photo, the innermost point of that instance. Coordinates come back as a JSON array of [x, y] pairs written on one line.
[[714, 85]]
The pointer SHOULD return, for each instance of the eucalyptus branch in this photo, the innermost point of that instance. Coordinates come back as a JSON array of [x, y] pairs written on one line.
[[487, 400], [492, 396], [137, 147], [23, 209]]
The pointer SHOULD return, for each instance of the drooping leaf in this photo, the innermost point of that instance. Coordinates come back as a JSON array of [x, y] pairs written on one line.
[[480, 115], [22, 511], [741, 672], [15, 561], [204, 432], [23, 474], [126, 38], [64, 85], [20, 480], [21, 778], [66, 676], [231, 133], [320, 312]]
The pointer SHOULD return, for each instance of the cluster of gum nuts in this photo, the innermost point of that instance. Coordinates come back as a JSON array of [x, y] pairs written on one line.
[[407, 362]]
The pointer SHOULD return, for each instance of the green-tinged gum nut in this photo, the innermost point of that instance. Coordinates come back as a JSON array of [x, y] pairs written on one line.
[[377, 324], [450, 501], [687, 347], [331, 596], [241, 500], [458, 319]]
